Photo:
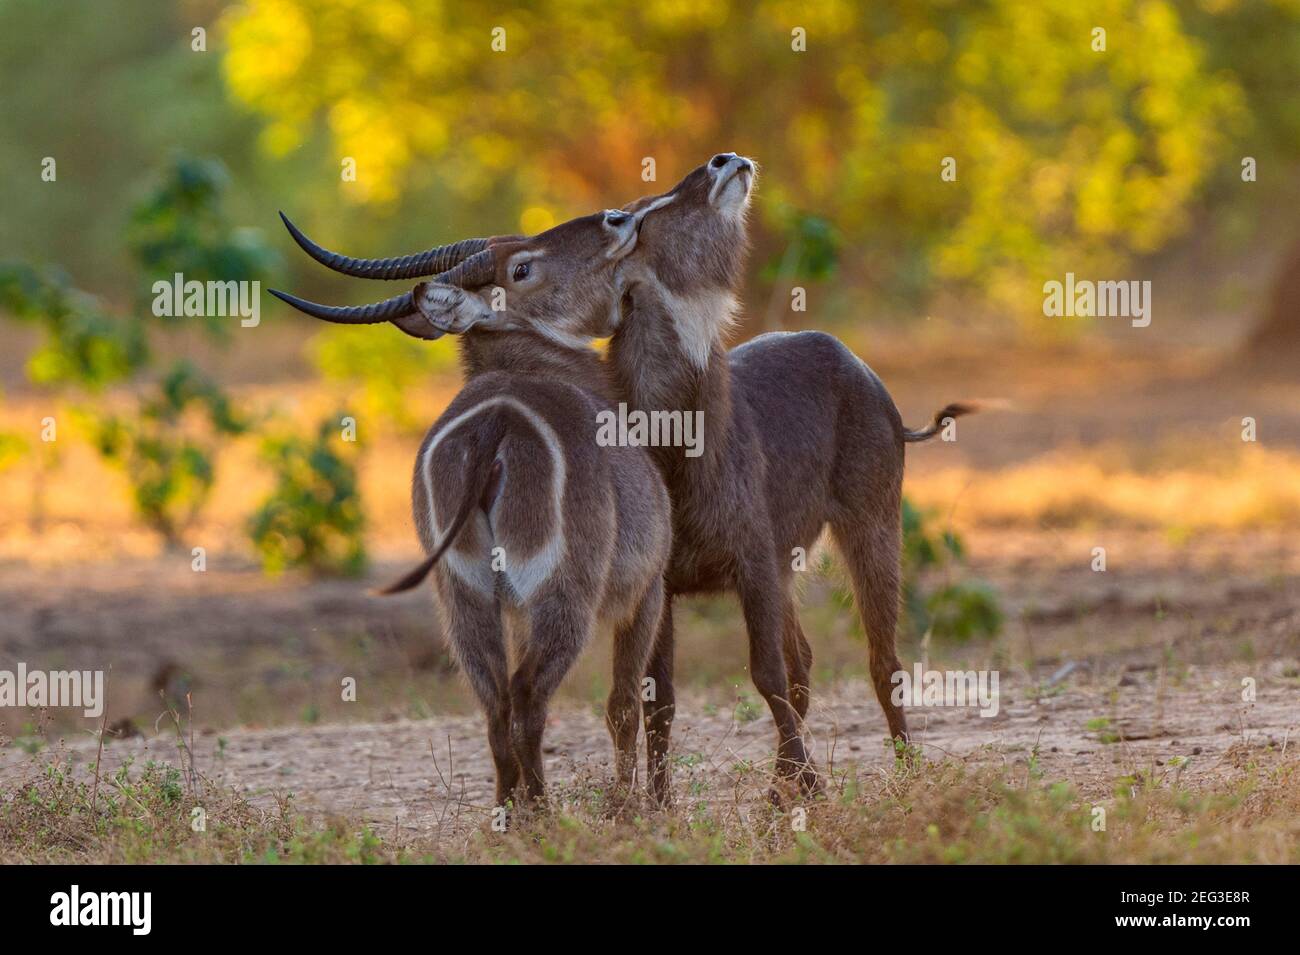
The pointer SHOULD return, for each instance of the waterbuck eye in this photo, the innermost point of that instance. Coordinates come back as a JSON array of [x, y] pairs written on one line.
[[616, 218], [521, 272], [719, 161]]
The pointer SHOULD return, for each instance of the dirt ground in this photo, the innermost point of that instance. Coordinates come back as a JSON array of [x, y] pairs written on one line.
[[1100, 679], [435, 774], [1103, 675]]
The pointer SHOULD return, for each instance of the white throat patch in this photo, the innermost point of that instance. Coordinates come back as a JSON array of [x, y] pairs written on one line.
[[700, 319]]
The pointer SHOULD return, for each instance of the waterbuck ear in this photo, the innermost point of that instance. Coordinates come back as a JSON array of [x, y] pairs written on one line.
[[654, 205], [620, 230], [447, 308]]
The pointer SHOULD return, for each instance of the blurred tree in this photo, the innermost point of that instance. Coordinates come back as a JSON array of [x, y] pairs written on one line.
[[313, 517], [956, 610], [1069, 157], [85, 344], [181, 225], [1258, 43], [108, 91], [171, 468], [167, 445]]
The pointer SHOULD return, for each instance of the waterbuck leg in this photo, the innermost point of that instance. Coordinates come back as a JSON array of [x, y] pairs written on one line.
[[872, 553], [560, 628], [762, 599], [798, 660], [633, 643], [658, 710], [478, 642]]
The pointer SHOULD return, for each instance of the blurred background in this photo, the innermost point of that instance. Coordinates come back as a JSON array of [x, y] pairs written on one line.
[[181, 497]]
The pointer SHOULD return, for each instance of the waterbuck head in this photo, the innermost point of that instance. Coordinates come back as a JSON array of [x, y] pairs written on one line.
[[691, 241], [558, 283], [697, 242]]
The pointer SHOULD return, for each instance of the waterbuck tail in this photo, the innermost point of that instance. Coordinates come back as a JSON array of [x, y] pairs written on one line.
[[481, 489], [954, 410]]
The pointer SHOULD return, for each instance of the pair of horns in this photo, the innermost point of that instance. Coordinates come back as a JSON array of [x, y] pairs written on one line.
[[469, 263]]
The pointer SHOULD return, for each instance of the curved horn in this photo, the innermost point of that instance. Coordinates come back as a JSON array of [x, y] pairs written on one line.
[[478, 270], [418, 265], [396, 307]]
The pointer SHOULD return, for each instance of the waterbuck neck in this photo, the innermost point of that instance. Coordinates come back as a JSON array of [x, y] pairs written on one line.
[[527, 353], [655, 370]]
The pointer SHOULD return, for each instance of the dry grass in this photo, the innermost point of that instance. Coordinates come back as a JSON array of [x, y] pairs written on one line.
[[1190, 488], [935, 813], [73, 507]]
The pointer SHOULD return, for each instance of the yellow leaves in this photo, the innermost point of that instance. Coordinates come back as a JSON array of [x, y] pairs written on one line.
[[281, 137], [267, 43], [535, 219], [685, 15], [377, 143], [1048, 185], [391, 20], [823, 19], [931, 46], [1067, 157], [1094, 212], [972, 67]]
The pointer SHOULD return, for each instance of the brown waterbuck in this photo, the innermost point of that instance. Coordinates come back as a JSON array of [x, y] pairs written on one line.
[[799, 435], [528, 524]]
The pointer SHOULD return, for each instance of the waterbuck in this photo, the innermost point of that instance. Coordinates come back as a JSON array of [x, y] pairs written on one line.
[[799, 434], [525, 519]]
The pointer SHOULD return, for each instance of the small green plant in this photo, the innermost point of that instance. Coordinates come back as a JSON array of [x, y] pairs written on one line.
[[1101, 725], [180, 226], [907, 756], [746, 710], [13, 447], [84, 345], [313, 517], [812, 249], [957, 611], [168, 448]]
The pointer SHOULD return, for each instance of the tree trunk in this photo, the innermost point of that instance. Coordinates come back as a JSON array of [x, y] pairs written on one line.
[[1276, 340]]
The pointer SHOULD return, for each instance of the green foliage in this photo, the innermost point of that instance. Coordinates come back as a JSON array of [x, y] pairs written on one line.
[[812, 249], [167, 448], [313, 517], [385, 363], [167, 445], [1068, 156], [181, 226], [12, 448], [85, 345], [954, 611], [962, 611]]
